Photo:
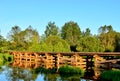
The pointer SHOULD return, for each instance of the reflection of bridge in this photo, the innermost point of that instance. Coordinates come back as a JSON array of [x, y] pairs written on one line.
[[79, 59]]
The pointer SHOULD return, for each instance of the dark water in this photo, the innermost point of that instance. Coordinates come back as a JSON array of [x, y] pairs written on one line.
[[9, 73]]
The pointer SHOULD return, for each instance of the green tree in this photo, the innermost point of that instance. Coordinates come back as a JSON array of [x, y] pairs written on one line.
[[14, 34], [89, 44], [3, 43], [55, 44], [51, 29], [26, 40], [71, 33], [117, 42], [14, 38], [87, 32], [107, 37], [32, 39], [44, 47]]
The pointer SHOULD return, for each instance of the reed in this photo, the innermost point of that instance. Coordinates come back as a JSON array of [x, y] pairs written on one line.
[[110, 75], [67, 69]]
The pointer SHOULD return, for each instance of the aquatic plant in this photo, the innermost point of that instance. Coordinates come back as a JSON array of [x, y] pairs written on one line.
[[110, 75], [67, 69]]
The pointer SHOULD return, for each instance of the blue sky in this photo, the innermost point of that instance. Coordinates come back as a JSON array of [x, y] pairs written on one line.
[[37, 13]]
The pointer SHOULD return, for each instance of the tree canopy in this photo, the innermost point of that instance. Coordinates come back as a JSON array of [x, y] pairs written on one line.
[[67, 39], [51, 29]]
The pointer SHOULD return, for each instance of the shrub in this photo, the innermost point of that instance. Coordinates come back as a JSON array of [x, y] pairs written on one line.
[[110, 75], [67, 69], [44, 70], [4, 58]]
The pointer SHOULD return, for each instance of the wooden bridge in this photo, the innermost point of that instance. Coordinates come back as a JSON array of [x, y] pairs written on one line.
[[84, 60]]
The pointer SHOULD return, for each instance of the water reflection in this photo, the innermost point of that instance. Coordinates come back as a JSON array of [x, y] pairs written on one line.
[[24, 70], [19, 74]]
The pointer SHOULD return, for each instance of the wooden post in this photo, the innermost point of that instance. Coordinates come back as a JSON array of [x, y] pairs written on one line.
[[58, 60], [98, 60]]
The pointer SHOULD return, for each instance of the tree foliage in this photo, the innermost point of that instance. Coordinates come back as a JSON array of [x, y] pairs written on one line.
[[14, 38], [23, 40], [89, 44], [71, 33], [107, 37], [69, 39], [3, 43], [56, 44], [117, 42], [87, 32], [51, 29]]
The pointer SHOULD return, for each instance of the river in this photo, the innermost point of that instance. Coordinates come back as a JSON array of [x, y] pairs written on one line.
[[10, 73]]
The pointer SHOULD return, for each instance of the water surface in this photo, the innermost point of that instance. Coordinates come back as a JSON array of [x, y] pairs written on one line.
[[9, 73]]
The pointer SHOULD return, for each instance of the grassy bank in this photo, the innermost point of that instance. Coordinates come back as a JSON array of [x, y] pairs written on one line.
[[110, 75], [67, 69], [5, 58]]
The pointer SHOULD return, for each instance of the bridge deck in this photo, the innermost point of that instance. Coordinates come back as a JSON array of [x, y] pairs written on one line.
[[72, 53]]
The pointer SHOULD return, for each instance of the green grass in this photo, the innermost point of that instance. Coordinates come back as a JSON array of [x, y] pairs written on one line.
[[5, 58], [70, 70], [65, 70], [110, 75]]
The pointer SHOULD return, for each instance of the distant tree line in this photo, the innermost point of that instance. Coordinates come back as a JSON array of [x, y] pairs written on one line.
[[69, 38]]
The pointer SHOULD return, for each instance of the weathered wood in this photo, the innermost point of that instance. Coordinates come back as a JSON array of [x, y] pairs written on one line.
[[50, 60]]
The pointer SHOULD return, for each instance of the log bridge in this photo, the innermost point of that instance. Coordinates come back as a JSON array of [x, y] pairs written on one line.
[[84, 60], [57, 59]]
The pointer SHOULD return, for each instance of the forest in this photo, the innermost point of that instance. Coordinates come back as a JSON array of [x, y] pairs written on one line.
[[69, 38]]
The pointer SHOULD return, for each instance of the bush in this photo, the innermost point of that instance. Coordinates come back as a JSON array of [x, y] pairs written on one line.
[[4, 58], [67, 69], [110, 75]]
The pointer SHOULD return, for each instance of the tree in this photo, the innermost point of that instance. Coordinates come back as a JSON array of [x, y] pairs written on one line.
[[3, 43], [54, 44], [51, 29], [107, 37], [45, 47], [87, 32], [32, 39], [71, 33], [14, 38], [89, 44], [26, 40], [14, 34], [117, 42]]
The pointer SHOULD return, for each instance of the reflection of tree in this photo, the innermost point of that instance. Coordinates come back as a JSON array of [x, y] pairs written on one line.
[[57, 77], [20, 74], [70, 77], [1, 69], [16, 74], [51, 77]]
